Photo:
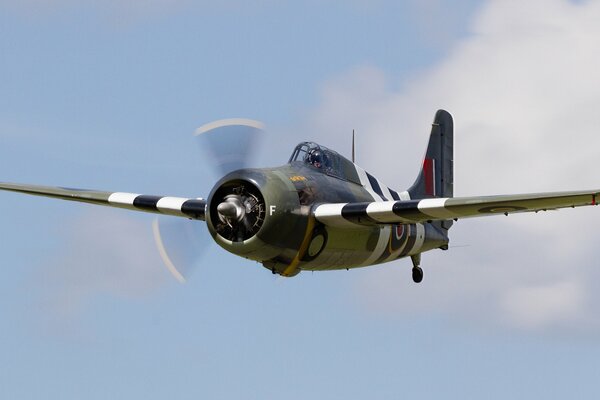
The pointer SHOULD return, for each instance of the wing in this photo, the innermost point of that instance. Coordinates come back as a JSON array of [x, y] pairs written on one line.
[[177, 206], [411, 211]]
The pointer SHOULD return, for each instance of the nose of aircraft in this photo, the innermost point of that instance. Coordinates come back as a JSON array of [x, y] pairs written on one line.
[[232, 208]]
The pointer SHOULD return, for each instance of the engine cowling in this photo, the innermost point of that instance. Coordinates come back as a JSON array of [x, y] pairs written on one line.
[[256, 214], [237, 210]]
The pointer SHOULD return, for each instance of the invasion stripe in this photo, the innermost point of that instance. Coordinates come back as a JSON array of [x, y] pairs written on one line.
[[125, 199], [382, 212], [412, 238], [195, 208], [404, 195], [171, 205], [419, 239], [435, 208], [395, 195], [364, 181], [375, 185], [146, 202], [380, 247], [331, 214], [408, 209], [386, 191], [357, 213], [379, 212], [192, 208]]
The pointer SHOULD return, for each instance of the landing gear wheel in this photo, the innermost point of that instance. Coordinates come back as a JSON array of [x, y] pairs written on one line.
[[417, 274]]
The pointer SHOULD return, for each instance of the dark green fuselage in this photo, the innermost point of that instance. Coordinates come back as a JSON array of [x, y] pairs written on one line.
[[290, 240]]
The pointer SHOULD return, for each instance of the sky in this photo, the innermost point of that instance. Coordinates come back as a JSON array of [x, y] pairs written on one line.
[[107, 94]]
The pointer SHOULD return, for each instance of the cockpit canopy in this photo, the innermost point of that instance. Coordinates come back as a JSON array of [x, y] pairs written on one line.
[[325, 160]]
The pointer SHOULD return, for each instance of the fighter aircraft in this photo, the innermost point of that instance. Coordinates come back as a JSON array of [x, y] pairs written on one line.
[[321, 211]]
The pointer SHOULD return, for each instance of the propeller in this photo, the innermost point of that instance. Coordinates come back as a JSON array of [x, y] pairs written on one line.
[[180, 244], [227, 145]]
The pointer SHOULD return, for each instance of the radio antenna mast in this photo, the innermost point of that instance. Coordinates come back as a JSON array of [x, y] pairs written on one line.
[[353, 153]]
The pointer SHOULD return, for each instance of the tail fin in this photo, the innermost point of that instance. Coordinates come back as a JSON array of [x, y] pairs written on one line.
[[436, 178]]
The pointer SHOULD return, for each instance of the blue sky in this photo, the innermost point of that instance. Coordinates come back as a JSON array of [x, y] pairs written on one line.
[[105, 95]]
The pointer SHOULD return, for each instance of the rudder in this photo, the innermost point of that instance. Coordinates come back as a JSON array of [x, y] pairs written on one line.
[[436, 178]]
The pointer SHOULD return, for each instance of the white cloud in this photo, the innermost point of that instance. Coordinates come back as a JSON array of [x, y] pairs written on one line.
[[524, 88], [539, 306], [108, 254]]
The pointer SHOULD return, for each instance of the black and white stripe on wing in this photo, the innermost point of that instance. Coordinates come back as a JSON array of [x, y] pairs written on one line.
[[379, 212], [442, 208], [178, 206], [357, 213]]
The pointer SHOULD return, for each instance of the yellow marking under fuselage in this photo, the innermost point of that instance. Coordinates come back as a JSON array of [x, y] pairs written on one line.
[[289, 271]]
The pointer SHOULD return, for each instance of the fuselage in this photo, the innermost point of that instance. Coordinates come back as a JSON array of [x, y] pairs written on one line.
[[291, 240], [354, 246]]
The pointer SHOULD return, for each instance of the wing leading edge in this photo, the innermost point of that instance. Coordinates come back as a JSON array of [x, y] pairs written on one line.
[[437, 209], [176, 206]]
